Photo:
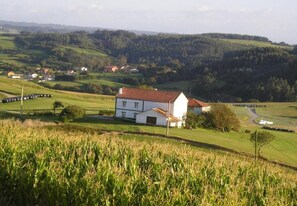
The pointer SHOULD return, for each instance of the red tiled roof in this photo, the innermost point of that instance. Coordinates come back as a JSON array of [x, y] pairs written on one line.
[[148, 95], [164, 113], [196, 103]]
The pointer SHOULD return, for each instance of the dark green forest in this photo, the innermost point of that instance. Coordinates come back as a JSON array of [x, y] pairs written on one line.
[[222, 67]]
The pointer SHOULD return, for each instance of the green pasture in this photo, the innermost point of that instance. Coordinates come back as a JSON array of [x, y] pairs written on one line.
[[7, 42], [254, 43], [282, 149], [107, 79], [105, 82], [281, 114], [64, 83], [88, 101], [84, 51]]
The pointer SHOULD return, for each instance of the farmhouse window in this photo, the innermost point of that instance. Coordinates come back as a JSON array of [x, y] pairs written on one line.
[[123, 114], [136, 104], [124, 103], [135, 115]]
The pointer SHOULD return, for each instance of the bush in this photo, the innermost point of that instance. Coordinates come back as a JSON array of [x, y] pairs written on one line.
[[221, 117], [43, 113], [72, 112], [193, 120]]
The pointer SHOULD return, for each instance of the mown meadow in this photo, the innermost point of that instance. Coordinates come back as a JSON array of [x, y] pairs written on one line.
[[44, 164]]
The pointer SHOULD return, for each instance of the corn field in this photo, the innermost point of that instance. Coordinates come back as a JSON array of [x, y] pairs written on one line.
[[42, 166]]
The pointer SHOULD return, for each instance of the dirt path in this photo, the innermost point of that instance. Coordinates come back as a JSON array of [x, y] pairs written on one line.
[[253, 114], [6, 94]]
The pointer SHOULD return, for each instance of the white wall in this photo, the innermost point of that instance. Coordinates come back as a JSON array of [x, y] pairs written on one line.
[[161, 120], [199, 110], [129, 109], [162, 105], [206, 109], [141, 118], [180, 106]]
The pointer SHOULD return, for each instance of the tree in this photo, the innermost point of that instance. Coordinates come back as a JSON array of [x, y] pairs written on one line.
[[260, 139], [72, 112], [221, 117], [57, 104]]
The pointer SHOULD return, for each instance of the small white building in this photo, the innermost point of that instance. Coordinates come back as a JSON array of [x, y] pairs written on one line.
[[151, 107], [265, 122], [84, 69], [197, 106]]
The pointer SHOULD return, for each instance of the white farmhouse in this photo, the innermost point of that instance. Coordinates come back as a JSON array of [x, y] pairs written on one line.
[[151, 107]]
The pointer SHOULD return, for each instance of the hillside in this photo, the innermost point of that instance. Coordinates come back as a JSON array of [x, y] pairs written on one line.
[[214, 63], [93, 105], [110, 168]]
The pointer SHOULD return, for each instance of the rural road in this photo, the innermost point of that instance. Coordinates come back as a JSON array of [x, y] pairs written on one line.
[[254, 115]]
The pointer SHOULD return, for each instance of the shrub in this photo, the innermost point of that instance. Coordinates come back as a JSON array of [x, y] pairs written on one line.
[[247, 131], [193, 120], [71, 112], [221, 117]]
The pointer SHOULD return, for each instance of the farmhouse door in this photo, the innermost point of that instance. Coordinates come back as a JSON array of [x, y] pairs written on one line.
[[151, 120]]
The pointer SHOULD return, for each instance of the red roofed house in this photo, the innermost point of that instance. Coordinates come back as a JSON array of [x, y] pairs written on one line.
[[197, 106], [111, 69], [151, 107]]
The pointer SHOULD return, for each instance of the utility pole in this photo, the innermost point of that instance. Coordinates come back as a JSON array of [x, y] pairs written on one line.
[[256, 139], [168, 120], [22, 96]]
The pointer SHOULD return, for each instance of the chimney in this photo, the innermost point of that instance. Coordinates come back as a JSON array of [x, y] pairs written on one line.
[[120, 90]]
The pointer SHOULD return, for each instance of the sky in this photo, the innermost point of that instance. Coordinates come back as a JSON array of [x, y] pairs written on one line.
[[275, 19]]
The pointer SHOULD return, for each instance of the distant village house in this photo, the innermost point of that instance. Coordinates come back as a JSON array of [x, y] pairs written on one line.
[[12, 75], [111, 69]]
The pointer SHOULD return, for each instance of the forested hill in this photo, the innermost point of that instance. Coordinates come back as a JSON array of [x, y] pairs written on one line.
[[222, 66]]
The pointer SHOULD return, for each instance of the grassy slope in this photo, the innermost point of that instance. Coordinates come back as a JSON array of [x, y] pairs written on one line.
[[88, 101], [18, 55], [84, 51], [107, 79], [7, 42], [281, 114], [283, 148], [254, 43]]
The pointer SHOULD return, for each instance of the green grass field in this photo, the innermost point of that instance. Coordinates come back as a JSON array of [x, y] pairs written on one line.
[[283, 149], [84, 51], [87, 101], [7, 42], [254, 43], [107, 79]]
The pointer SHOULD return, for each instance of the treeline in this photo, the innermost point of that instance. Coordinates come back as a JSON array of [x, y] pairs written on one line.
[[219, 69], [264, 74]]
